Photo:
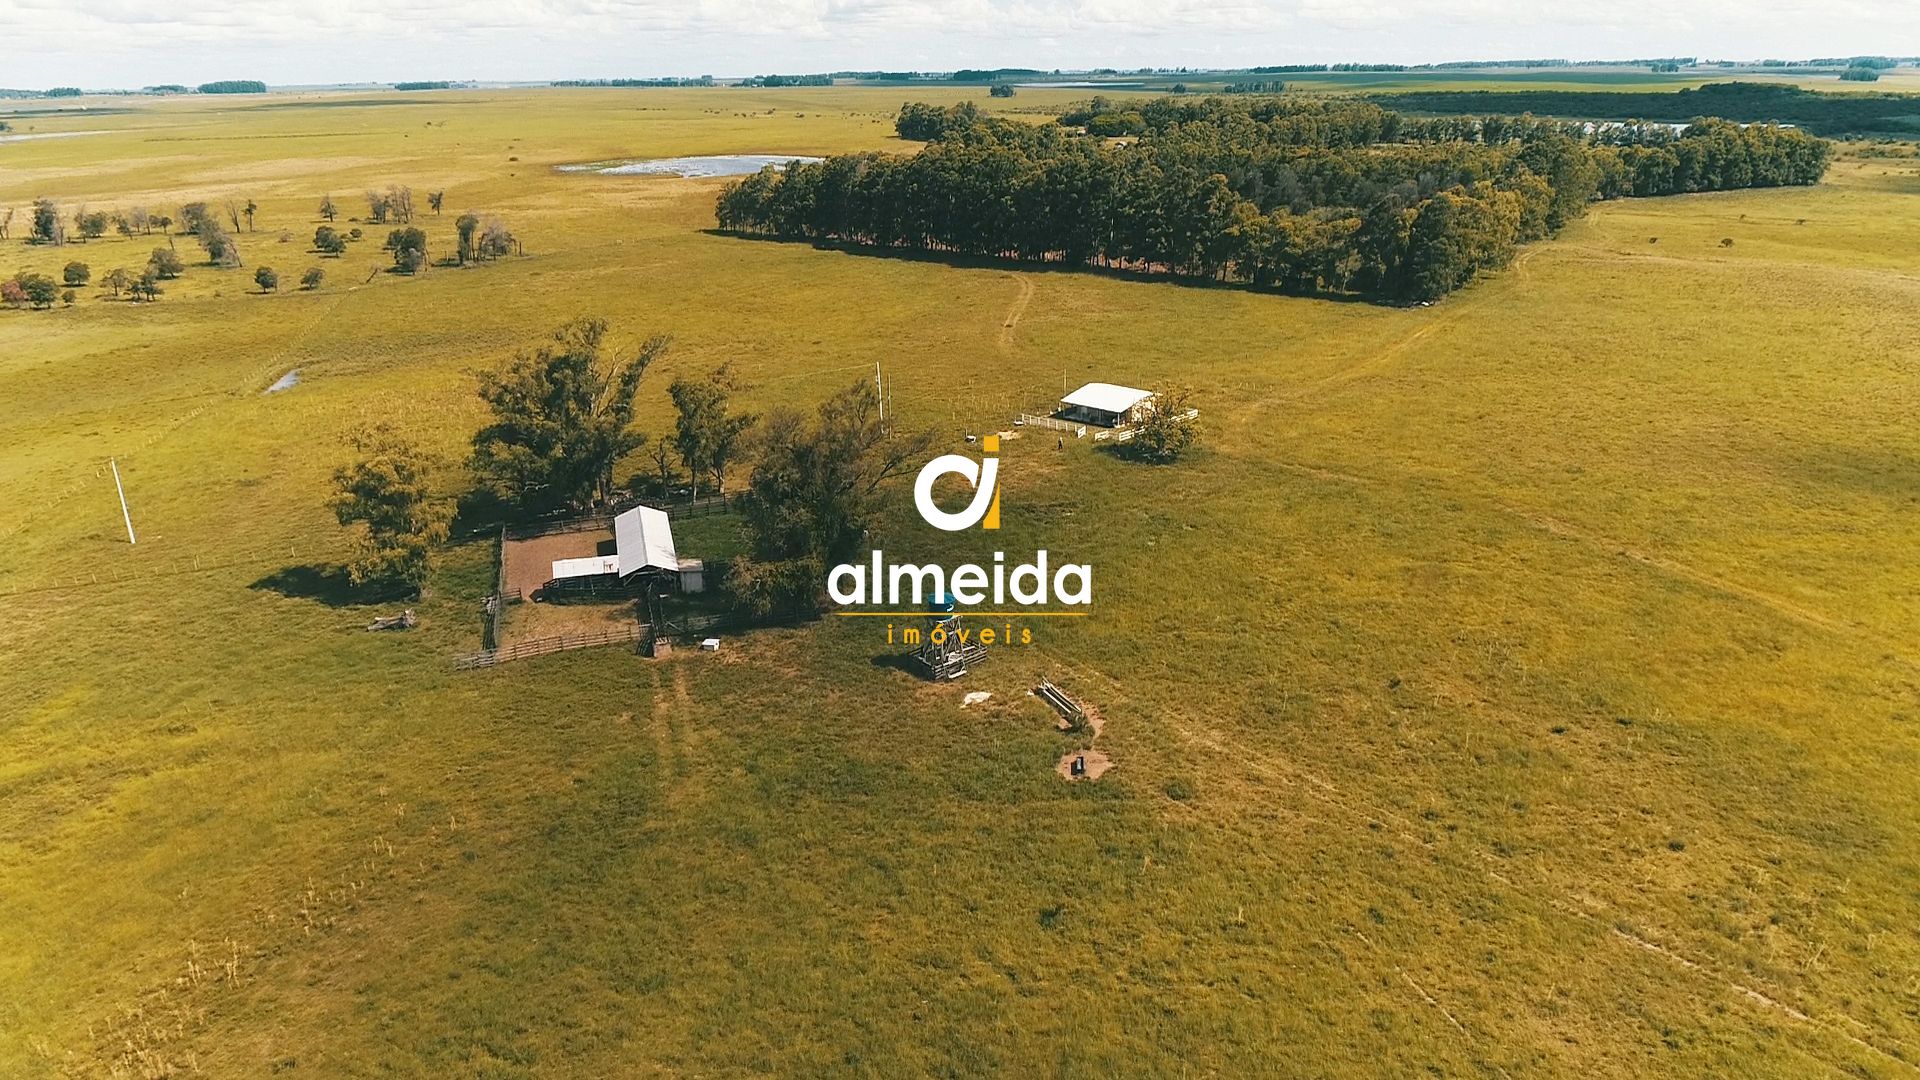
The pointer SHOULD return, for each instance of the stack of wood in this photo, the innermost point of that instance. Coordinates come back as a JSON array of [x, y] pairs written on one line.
[[1072, 713]]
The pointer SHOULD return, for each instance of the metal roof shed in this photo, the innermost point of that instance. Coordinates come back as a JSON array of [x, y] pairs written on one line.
[[1104, 403], [643, 539]]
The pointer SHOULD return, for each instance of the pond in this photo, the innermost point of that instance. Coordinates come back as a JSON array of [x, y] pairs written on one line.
[[8, 136], [714, 165]]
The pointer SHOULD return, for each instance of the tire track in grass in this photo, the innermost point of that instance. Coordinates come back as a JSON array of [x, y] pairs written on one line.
[[1780, 605], [1278, 766], [1450, 314], [1018, 309]]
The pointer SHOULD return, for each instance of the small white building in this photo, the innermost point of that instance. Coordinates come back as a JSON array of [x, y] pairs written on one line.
[[642, 540], [1106, 405]]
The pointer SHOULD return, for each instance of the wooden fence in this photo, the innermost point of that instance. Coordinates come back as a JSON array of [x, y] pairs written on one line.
[[1049, 423], [490, 634], [521, 650], [701, 507], [681, 629]]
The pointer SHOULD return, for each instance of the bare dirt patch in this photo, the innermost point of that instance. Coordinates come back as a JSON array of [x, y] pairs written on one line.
[[529, 565], [1097, 764], [530, 562], [1095, 722]]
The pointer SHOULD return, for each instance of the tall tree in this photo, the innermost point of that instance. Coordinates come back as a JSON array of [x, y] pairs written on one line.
[[465, 228], [562, 416], [815, 495], [409, 247], [46, 223], [664, 457], [401, 522], [327, 209], [704, 431]]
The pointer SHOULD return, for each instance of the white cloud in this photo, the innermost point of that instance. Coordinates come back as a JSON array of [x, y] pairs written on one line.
[[132, 42]]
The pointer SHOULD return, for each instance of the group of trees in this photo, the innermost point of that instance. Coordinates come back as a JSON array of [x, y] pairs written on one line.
[[562, 417], [204, 224], [392, 205], [28, 289], [40, 291], [478, 238], [48, 226], [561, 421], [1313, 195]]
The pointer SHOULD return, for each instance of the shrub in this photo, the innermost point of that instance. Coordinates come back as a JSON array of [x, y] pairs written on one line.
[[76, 274], [166, 263], [40, 290], [1167, 432]]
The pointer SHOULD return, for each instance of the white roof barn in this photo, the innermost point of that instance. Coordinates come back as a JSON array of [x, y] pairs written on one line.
[[1104, 403], [642, 540]]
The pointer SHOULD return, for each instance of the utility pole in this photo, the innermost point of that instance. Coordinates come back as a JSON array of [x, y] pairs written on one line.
[[124, 515]]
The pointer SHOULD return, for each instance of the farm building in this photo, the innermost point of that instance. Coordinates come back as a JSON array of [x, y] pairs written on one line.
[[1105, 405], [642, 541]]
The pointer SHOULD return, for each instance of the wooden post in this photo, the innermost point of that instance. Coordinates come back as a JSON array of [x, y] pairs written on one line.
[[124, 515]]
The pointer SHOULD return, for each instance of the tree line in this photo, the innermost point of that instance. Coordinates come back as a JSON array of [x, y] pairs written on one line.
[[216, 227], [1747, 102], [1308, 195]]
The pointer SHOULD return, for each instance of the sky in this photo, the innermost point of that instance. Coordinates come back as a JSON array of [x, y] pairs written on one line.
[[108, 44]]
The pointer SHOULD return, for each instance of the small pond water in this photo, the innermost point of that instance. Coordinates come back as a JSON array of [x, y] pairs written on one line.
[[23, 136], [285, 382], [714, 165]]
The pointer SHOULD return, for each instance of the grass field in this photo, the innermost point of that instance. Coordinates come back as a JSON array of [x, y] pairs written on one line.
[[1521, 686]]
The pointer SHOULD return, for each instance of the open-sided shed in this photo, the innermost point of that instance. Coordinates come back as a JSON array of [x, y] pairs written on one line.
[[1105, 405]]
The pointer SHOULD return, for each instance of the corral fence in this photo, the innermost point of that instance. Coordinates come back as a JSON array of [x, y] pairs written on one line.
[[521, 650], [1052, 423], [671, 630], [494, 606]]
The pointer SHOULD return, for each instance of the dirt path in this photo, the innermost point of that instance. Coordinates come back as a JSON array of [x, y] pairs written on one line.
[[1450, 312], [1014, 312]]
